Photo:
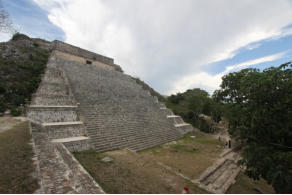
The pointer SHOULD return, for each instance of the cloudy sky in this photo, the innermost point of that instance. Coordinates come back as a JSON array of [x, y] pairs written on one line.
[[173, 45]]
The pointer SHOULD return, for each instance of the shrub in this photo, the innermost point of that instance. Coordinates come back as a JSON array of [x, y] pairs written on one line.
[[16, 111], [21, 74], [35, 44]]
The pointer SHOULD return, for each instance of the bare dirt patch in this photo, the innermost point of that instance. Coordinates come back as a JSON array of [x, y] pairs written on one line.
[[9, 122], [16, 165]]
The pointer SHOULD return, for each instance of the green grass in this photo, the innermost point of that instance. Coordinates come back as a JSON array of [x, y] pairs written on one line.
[[184, 148], [205, 141], [16, 164], [130, 173]]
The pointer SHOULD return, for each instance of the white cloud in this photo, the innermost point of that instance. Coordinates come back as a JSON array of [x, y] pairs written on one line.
[[164, 41], [253, 46], [253, 62], [5, 36], [211, 82]]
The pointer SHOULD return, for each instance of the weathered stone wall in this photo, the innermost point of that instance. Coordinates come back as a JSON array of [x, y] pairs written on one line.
[[77, 146], [67, 48], [64, 131], [52, 114], [81, 59], [88, 55]]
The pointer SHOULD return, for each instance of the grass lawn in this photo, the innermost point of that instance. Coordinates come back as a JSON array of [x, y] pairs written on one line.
[[246, 185], [131, 173], [190, 156], [139, 172], [16, 164]]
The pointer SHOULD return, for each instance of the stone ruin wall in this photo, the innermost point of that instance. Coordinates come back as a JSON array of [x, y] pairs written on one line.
[[73, 52], [81, 59]]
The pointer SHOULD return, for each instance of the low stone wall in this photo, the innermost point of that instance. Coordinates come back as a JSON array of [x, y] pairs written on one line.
[[77, 146], [64, 131], [60, 172]]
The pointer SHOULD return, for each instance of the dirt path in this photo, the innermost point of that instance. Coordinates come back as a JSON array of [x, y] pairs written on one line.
[[7, 123]]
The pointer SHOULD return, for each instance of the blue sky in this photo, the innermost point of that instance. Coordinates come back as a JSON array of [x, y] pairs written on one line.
[[29, 19], [173, 45]]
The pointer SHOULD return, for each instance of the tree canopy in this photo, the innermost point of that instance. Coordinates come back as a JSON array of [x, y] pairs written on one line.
[[259, 105], [191, 104]]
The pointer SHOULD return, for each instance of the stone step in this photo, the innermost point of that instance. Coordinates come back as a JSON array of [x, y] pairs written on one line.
[[74, 144], [131, 140], [175, 119], [69, 139], [166, 111], [63, 123], [172, 116], [47, 101], [136, 144], [128, 134], [113, 138], [110, 146], [51, 106], [184, 128], [182, 125]]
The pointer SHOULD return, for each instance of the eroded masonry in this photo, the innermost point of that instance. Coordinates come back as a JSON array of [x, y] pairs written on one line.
[[84, 102]]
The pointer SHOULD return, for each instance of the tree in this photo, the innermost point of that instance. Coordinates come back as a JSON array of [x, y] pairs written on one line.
[[5, 21], [191, 104], [260, 110]]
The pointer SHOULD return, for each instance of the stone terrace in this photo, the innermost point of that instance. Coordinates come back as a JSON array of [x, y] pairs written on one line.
[[117, 112]]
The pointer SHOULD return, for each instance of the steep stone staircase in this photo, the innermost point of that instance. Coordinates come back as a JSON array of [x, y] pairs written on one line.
[[54, 108], [117, 112]]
